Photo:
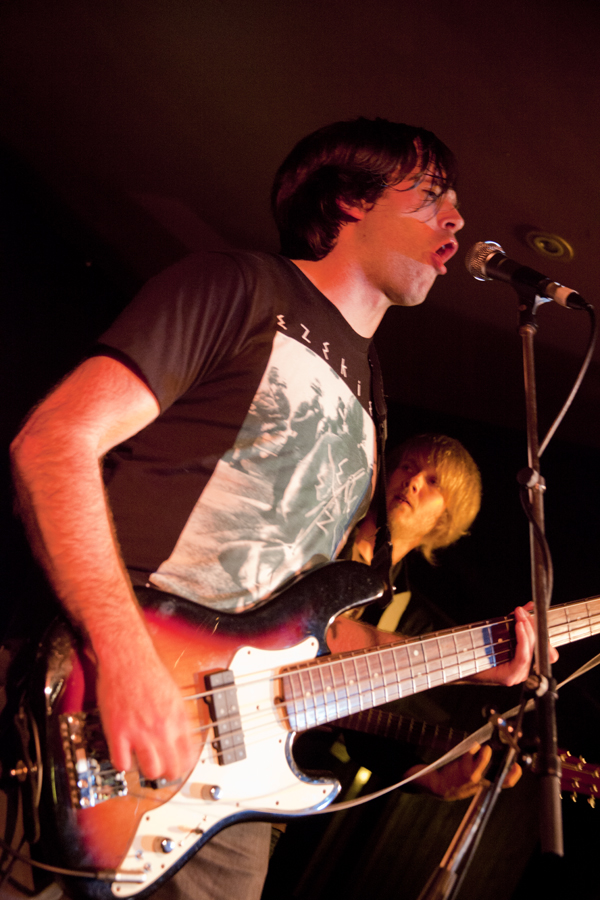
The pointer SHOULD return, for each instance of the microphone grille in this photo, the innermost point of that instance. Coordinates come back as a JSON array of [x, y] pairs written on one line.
[[478, 255]]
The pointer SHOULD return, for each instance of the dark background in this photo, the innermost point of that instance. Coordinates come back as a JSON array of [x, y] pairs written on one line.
[[133, 133]]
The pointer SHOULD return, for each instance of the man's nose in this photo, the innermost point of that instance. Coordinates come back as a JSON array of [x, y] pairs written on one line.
[[414, 482], [450, 218]]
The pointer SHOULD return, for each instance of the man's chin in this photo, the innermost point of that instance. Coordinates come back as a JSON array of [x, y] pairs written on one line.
[[417, 294]]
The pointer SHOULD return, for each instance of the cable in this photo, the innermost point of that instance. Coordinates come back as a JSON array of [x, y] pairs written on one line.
[[584, 367], [96, 875]]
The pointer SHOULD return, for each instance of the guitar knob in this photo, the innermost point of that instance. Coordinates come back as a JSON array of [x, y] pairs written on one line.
[[210, 792], [167, 845]]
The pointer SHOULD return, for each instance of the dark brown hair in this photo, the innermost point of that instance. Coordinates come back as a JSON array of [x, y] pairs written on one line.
[[348, 162]]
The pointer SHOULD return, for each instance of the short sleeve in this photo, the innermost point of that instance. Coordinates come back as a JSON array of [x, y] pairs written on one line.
[[182, 323]]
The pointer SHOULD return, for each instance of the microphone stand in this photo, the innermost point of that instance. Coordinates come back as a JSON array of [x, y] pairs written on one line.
[[531, 479], [445, 882]]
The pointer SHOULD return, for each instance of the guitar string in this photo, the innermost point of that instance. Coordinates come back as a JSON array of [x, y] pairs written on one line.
[[319, 710], [581, 778], [406, 728], [311, 716], [443, 736], [320, 663], [325, 705], [468, 660], [317, 713], [468, 667], [323, 663], [558, 632], [251, 731], [314, 715]]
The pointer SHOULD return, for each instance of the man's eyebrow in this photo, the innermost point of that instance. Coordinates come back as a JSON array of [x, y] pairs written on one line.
[[432, 177]]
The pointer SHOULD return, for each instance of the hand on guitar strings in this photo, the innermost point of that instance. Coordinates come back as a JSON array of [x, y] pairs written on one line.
[[517, 669], [143, 715]]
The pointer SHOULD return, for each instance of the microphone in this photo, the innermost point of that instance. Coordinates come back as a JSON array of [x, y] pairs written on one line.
[[487, 261]]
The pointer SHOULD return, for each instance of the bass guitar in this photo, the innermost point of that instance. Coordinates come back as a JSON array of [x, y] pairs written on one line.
[[251, 681]]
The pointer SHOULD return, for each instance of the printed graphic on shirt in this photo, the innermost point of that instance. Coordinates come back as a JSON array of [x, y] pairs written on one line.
[[282, 500]]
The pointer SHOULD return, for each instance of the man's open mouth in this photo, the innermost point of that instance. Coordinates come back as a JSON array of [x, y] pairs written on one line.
[[447, 251]]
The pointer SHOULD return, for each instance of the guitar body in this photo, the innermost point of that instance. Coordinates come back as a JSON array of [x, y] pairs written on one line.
[[250, 681], [95, 818]]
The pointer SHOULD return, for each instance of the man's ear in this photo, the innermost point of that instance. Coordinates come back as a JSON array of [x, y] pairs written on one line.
[[356, 210]]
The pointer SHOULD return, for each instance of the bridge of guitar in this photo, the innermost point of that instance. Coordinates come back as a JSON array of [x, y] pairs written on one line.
[[92, 778]]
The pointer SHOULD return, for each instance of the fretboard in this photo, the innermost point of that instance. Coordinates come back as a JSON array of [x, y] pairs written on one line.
[[404, 729], [331, 687], [577, 775]]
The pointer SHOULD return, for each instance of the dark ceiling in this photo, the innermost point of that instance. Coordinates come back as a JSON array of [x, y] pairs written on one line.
[[160, 123]]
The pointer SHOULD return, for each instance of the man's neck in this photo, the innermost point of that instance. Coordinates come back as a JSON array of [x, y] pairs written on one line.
[[364, 543], [343, 283]]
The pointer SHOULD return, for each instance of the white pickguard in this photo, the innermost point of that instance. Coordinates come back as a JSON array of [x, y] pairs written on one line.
[[265, 782]]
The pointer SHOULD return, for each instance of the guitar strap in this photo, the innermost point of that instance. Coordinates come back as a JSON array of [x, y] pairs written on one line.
[[382, 552]]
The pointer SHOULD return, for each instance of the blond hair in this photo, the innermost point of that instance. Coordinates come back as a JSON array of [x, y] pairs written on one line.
[[459, 482]]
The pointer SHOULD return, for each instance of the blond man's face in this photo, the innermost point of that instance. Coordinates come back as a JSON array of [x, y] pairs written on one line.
[[415, 501]]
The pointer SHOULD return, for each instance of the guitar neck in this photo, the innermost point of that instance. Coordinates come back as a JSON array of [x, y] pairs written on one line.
[[404, 729], [329, 688], [574, 621], [577, 775]]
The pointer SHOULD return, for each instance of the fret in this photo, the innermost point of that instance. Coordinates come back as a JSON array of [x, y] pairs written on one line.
[[411, 727], [314, 696], [580, 622], [356, 666], [326, 703], [465, 646], [308, 697], [291, 684], [376, 684], [332, 704], [326, 689], [391, 662], [340, 687], [418, 668], [399, 658], [560, 620], [384, 722], [346, 685]]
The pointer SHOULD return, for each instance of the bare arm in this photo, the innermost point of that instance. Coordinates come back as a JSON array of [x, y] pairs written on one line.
[[57, 463]]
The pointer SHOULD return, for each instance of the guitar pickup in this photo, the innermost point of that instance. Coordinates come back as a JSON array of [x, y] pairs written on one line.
[[225, 714]]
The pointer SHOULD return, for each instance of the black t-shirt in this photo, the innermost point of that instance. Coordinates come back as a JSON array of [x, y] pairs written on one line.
[[262, 457]]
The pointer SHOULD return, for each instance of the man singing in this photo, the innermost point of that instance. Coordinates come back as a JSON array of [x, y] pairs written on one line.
[[169, 457]]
